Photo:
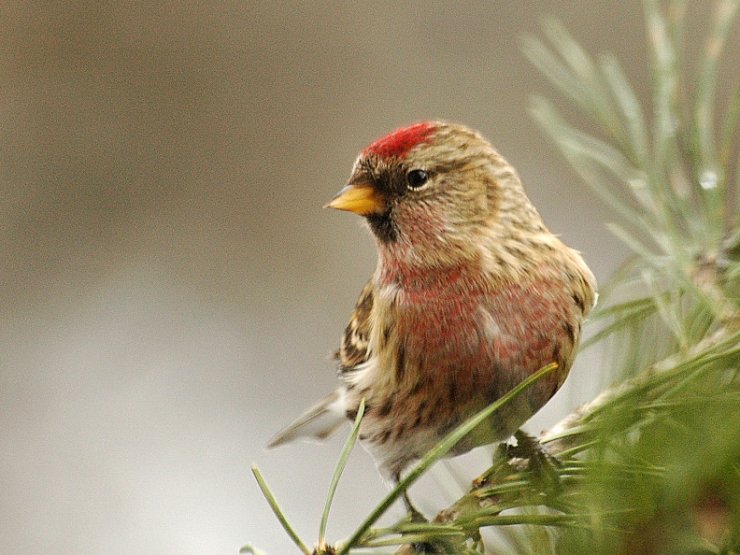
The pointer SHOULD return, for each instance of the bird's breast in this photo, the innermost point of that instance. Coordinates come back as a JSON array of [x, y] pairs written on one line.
[[474, 330], [437, 326]]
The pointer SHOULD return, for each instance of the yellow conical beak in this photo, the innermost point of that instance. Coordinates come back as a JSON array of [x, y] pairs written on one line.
[[360, 198]]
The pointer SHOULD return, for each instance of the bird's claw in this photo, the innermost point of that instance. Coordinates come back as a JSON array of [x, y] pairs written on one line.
[[539, 461]]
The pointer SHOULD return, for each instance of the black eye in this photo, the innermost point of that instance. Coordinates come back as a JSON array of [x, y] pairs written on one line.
[[417, 178]]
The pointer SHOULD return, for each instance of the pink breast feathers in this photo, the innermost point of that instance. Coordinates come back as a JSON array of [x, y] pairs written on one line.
[[519, 326]]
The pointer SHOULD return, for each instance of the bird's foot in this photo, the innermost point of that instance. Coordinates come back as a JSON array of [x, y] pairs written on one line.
[[527, 455], [414, 514], [501, 457], [539, 461]]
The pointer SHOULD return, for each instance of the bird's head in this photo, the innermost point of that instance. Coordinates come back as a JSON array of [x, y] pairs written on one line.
[[430, 190]]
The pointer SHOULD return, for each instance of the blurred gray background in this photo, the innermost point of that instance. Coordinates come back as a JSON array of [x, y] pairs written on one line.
[[171, 287]]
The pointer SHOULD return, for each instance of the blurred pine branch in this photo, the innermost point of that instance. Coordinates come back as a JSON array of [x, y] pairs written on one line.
[[652, 465]]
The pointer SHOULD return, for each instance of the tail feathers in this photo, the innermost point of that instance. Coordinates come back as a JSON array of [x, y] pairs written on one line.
[[318, 422]]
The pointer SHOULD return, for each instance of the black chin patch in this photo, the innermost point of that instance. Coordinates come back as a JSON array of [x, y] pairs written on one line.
[[383, 227]]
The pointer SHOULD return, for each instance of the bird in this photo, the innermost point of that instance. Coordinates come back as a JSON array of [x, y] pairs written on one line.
[[471, 294]]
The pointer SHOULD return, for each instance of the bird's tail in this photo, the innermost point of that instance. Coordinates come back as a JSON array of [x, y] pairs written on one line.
[[318, 422]]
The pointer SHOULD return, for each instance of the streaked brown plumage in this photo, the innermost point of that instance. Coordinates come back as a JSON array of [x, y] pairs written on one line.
[[471, 294]]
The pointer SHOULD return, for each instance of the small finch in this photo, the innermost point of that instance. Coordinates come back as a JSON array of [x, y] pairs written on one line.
[[471, 294]]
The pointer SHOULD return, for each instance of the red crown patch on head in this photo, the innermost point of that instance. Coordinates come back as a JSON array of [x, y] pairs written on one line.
[[401, 140]]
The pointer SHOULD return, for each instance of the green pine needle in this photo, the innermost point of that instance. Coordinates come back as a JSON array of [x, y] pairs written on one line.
[[278, 511], [341, 464]]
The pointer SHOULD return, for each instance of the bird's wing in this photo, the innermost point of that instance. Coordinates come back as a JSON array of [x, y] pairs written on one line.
[[318, 422], [354, 349]]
